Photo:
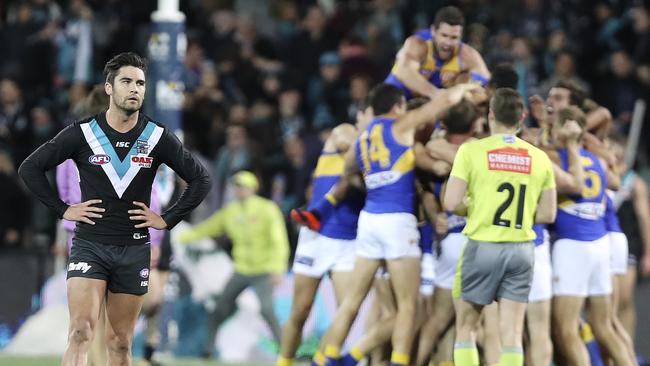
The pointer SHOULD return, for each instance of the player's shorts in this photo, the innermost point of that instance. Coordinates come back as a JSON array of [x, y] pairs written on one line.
[[125, 268], [164, 263], [618, 252], [387, 236], [581, 268], [542, 287], [316, 254], [427, 274], [450, 249], [490, 271]]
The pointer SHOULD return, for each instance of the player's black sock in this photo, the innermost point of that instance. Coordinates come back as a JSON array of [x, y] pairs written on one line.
[[148, 352]]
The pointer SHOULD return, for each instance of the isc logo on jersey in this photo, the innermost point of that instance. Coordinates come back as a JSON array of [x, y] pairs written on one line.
[[142, 161], [99, 159]]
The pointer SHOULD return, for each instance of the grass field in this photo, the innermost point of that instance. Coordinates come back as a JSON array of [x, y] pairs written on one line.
[[55, 361]]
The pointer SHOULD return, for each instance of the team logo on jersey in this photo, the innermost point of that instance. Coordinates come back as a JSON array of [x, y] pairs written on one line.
[[144, 273], [510, 160], [142, 147], [99, 159], [79, 266], [142, 161]]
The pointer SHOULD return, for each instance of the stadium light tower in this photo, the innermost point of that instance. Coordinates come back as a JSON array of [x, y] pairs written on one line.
[[166, 52]]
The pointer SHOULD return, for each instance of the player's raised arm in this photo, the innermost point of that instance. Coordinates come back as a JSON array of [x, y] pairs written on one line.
[[408, 62], [191, 171], [46, 157], [433, 109]]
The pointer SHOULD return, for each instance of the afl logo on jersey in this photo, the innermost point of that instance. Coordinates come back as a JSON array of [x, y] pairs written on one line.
[[99, 159]]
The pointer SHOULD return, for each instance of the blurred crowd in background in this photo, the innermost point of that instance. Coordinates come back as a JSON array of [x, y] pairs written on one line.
[[266, 80]]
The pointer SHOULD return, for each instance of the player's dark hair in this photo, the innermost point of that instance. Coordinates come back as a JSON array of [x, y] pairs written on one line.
[[577, 95], [450, 15], [383, 97], [504, 76], [572, 113], [507, 106], [113, 66], [460, 118]]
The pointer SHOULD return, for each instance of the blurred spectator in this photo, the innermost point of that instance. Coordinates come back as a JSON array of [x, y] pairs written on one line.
[[359, 87], [641, 19], [14, 214], [563, 69], [619, 89], [75, 45], [292, 122], [14, 122], [235, 155], [327, 94], [526, 67]]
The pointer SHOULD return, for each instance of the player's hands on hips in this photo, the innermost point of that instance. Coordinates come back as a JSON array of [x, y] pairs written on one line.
[[149, 218], [84, 211]]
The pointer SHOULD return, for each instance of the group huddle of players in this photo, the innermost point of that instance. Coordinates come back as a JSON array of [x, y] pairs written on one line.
[[397, 203]]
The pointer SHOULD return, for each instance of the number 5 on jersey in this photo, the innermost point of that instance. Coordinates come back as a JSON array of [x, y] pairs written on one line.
[[377, 151]]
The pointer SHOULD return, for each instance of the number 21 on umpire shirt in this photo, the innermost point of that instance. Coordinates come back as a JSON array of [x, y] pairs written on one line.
[[505, 177]]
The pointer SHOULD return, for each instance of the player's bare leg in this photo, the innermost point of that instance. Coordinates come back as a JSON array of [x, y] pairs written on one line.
[[363, 275], [435, 326], [538, 320], [565, 327], [85, 297], [617, 283], [151, 309], [97, 354], [444, 355], [511, 324], [468, 317], [122, 311], [491, 337], [405, 280], [626, 307], [600, 319], [304, 293]]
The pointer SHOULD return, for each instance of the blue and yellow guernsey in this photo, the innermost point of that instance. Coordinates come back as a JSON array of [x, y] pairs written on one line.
[[426, 236], [581, 217], [388, 169], [439, 72], [611, 218], [342, 223]]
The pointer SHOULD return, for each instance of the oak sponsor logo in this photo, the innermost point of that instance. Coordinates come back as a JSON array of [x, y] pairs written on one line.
[[99, 159], [142, 161]]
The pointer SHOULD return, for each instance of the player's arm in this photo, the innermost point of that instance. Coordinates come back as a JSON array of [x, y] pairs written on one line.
[[456, 188], [642, 211], [547, 203], [599, 120], [424, 161], [47, 156], [408, 63], [441, 149], [190, 170], [572, 180], [278, 240], [432, 110], [478, 70], [212, 227]]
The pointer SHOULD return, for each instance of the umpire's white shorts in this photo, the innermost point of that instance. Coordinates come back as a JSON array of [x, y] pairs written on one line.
[[581, 268], [450, 249], [541, 288], [317, 255], [387, 236], [618, 252]]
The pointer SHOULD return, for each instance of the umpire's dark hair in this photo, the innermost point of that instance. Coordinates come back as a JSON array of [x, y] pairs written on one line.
[[504, 76], [123, 59], [383, 97], [507, 106], [450, 15]]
